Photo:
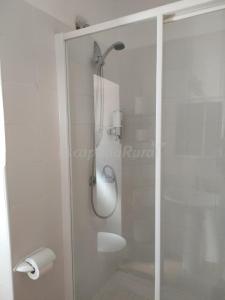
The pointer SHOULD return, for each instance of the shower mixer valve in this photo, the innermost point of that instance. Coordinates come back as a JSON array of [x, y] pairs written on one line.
[[116, 132]]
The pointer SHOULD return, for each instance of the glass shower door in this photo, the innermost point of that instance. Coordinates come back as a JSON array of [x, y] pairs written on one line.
[[193, 159], [111, 89]]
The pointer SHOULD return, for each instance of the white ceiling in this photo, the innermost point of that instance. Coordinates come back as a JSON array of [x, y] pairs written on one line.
[[125, 7], [95, 11]]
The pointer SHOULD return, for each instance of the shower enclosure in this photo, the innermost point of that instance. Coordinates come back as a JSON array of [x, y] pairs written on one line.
[[112, 117], [141, 103]]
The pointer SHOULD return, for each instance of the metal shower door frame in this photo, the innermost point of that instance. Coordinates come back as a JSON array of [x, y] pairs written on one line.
[[163, 14]]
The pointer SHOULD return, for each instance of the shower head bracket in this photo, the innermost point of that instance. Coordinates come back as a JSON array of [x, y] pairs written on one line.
[[97, 57]]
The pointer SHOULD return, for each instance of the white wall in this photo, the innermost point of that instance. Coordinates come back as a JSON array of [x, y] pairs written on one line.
[[66, 10], [31, 119], [137, 85], [6, 286], [59, 9]]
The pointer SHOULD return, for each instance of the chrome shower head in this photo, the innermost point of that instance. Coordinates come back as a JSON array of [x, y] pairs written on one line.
[[99, 58], [118, 46]]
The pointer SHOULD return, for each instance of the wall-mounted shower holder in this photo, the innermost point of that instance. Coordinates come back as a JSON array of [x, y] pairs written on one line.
[[116, 129]]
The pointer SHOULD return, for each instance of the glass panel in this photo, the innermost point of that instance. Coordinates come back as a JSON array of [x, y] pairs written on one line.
[[193, 169], [111, 87]]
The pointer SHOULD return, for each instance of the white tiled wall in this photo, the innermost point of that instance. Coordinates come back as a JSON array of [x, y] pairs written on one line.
[[29, 89], [92, 269], [137, 84]]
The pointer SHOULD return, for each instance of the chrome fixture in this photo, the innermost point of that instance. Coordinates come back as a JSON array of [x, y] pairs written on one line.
[[99, 61], [99, 58], [116, 129]]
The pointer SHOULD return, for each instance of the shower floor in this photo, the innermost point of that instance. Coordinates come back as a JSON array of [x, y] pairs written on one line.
[[135, 281], [126, 286]]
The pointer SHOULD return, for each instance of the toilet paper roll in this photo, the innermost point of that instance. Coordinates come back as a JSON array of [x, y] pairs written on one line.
[[42, 261]]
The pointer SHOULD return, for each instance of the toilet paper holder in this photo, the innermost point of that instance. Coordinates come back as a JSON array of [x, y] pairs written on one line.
[[37, 263], [23, 266]]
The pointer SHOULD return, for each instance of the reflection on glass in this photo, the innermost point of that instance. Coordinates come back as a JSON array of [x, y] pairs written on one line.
[[193, 190], [198, 128]]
